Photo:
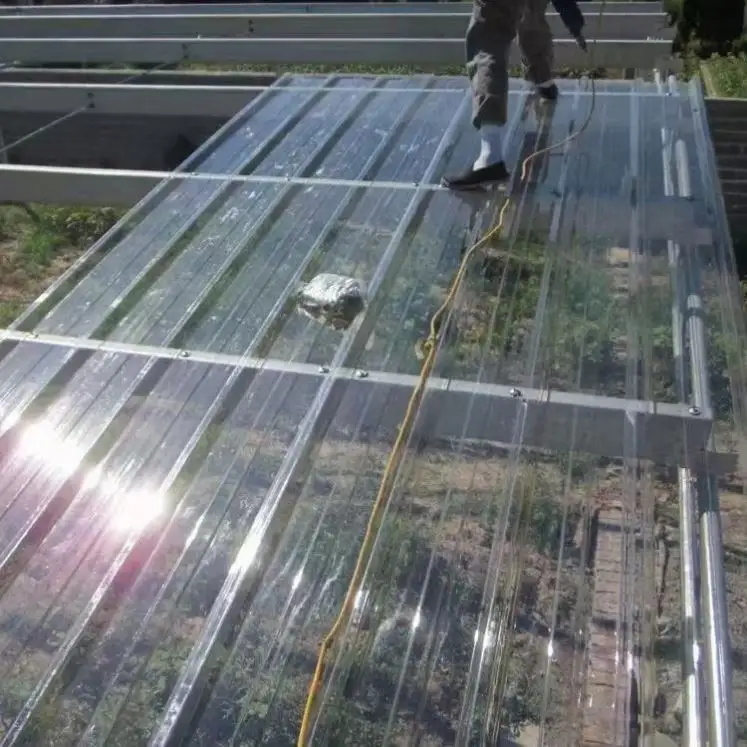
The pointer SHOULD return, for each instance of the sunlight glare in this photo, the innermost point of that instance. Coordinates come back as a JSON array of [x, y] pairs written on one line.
[[137, 509], [41, 441]]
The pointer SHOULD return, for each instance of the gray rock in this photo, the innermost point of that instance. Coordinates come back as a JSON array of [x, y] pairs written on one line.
[[333, 300]]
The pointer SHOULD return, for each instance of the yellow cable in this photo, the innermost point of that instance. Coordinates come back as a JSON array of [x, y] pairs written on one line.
[[398, 450]]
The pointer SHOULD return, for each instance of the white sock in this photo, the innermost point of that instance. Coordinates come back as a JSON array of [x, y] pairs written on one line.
[[491, 146]]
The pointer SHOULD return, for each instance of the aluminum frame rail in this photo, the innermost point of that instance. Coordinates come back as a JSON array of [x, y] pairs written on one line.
[[692, 700], [432, 52], [87, 76], [147, 9], [106, 187], [668, 434], [721, 730], [432, 34], [155, 100], [135, 98], [609, 26], [708, 707]]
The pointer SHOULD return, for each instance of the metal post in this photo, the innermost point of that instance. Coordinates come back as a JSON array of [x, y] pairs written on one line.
[[713, 584], [692, 696]]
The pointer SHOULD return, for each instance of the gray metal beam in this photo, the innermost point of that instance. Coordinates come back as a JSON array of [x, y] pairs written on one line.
[[639, 26], [54, 185], [589, 9], [149, 98], [213, 78], [714, 605], [617, 54], [669, 433], [163, 100], [60, 186], [692, 700], [100, 76], [155, 100]]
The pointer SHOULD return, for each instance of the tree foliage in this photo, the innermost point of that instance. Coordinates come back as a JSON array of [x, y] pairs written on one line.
[[706, 26]]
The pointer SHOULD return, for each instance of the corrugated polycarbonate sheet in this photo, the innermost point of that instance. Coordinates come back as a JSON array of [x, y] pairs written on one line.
[[178, 531]]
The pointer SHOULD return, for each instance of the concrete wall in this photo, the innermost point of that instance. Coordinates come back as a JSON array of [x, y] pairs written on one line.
[[727, 119], [91, 140]]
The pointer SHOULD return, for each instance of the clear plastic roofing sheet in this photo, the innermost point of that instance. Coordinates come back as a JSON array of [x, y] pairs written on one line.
[[188, 461]]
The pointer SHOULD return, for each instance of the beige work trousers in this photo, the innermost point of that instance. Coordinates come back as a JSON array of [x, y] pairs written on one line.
[[494, 25]]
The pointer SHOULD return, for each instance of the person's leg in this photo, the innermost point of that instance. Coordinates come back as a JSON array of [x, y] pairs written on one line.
[[535, 40], [489, 38]]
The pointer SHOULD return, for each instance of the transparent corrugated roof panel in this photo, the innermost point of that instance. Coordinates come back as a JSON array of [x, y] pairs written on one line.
[[189, 462]]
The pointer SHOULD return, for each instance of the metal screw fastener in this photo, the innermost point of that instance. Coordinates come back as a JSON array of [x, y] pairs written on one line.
[[361, 374], [514, 392], [694, 410], [184, 354], [323, 369]]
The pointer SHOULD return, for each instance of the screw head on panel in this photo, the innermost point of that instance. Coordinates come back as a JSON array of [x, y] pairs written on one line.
[[323, 369], [361, 374], [514, 392], [694, 410]]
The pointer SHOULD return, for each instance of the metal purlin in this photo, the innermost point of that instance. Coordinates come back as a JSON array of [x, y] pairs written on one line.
[[708, 709], [692, 701], [717, 638]]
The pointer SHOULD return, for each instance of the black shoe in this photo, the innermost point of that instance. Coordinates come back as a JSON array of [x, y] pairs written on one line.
[[477, 178], [548, 93]]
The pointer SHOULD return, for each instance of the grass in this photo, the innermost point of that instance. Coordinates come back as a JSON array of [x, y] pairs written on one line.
[[726, 76], [37, 244], [323, 69], [351, 69]]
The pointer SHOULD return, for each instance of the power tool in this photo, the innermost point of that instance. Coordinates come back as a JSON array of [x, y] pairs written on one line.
[[572, 18]]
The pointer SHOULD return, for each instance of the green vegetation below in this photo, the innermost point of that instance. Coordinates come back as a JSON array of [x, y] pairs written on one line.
[[352, 69], [726, 76], [707, 28], [37, 244]]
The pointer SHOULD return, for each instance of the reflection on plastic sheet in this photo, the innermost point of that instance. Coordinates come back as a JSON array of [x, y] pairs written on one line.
[[177, 532]]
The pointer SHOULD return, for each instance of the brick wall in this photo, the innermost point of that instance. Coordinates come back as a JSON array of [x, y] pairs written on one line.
[[606, 717]]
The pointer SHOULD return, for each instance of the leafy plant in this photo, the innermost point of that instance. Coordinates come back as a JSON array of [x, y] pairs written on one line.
[[709, 27]]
